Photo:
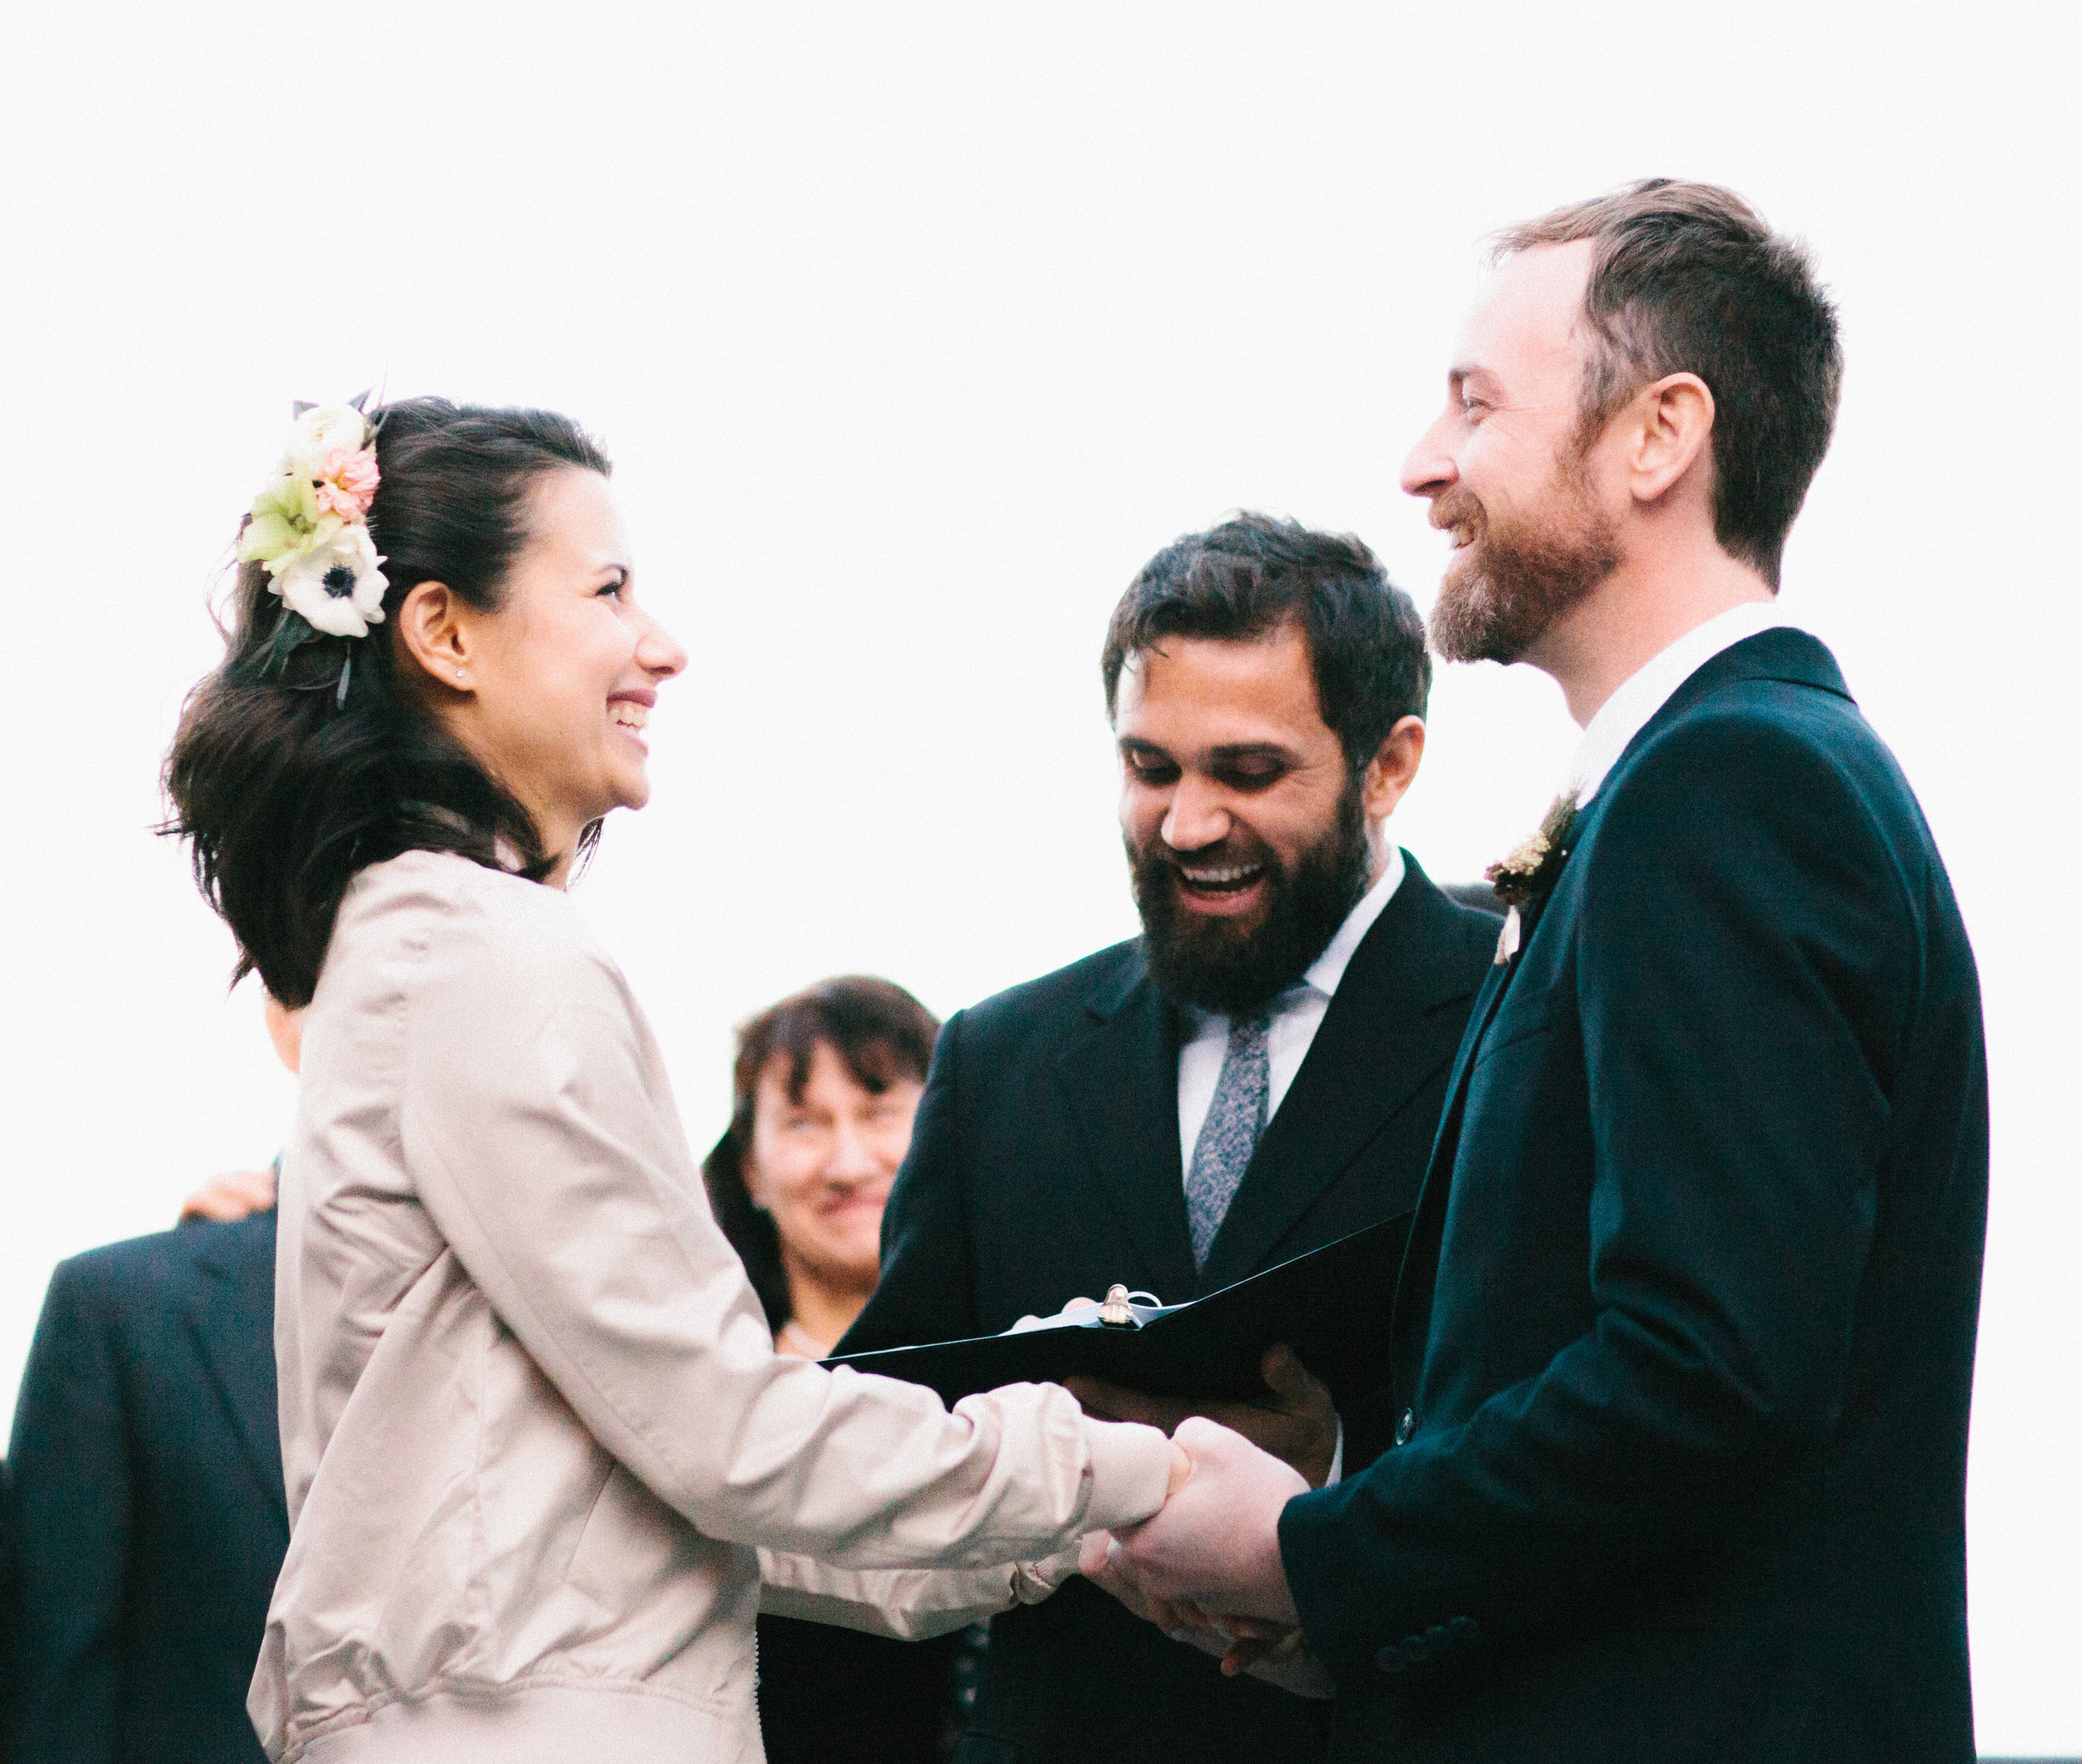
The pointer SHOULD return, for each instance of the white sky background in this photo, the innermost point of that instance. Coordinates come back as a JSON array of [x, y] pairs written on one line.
[[914, 329]]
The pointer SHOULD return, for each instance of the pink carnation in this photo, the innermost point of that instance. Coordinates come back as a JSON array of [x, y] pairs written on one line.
[[347, 482]]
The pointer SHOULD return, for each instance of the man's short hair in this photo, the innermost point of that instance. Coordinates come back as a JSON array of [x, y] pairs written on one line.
[[1253, 574], [1686, 278]]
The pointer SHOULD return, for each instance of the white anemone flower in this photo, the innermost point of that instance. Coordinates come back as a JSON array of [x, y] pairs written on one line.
[[319, 430], [338, 585]]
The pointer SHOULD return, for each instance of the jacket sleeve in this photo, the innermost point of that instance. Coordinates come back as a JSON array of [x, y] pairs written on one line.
[[926, 1291], [70, 1461], [1741, 977], [539, 1132], [904, 1604]]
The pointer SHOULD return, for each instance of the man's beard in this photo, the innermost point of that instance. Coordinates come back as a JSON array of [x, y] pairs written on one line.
[[1235, 966], [1504, 591]]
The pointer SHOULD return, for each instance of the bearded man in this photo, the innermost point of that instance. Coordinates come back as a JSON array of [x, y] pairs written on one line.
[[1259, 1073], [1686, 1319]]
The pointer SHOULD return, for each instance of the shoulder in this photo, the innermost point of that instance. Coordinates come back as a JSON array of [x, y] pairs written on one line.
[[1766, 802], [1463, 936], [1054, 1001], [1785, 752], [432, 921], [138, 1273]]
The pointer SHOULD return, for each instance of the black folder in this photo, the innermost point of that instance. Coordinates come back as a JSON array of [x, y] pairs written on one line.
[[1331, 1306]]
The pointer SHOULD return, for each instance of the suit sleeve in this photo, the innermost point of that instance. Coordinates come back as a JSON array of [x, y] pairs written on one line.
[[70, 1461], [926, 1291], [1742, 974], [545, 1148]]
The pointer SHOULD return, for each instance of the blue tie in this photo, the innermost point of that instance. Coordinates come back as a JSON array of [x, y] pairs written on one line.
[[1229, 1134]]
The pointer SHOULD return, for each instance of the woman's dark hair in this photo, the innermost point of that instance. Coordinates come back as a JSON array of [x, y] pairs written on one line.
[[284, 783], [882, 1035]]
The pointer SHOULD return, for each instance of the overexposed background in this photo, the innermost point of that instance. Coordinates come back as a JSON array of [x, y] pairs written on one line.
[[914, 329]]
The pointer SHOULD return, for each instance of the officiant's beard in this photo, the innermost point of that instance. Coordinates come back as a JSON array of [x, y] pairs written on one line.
[[1503, 590], [1234, 965]]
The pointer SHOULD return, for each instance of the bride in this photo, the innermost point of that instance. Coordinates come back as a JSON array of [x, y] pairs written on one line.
[[534, 1428]]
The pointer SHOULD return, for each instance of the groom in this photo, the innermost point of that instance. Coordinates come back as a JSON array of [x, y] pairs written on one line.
[[1687, 1316]]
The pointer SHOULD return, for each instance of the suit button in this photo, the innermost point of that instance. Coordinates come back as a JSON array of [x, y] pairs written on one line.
[[1392, 1659], [1465, 1631], [1437, 1639], [1406, 1426]]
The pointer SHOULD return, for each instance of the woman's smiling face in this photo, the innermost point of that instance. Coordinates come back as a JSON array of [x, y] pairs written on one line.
[[553, 691]]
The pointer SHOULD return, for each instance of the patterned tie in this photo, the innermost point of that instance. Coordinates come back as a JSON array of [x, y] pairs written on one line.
[[1230, 1133]]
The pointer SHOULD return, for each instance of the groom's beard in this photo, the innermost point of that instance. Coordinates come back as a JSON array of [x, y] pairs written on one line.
[[1237, 965], [1503, 590]]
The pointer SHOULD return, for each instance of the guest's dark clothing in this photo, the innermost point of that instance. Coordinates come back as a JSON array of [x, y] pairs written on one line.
[[1046, 1163], [1687, 1315], [148, 1465], [10, 1673], [829, 1696]]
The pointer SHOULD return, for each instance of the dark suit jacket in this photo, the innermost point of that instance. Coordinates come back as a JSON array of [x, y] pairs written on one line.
[[147, 1466], [1688, 1308], [1045, 1163]]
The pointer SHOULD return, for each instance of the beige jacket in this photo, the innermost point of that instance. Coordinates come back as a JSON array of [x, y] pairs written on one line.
[[533, 1425]]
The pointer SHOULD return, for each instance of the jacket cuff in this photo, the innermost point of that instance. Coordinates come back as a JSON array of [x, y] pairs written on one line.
[[1129, 1466], [1327, 1576]]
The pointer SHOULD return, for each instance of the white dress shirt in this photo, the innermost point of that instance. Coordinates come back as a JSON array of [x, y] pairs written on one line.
[[1297, 1014], [1649, 688]]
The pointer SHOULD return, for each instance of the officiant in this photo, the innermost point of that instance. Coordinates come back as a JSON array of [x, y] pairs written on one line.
[[1259, 1073]]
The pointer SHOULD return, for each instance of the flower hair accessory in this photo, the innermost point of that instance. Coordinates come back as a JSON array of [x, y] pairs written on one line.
[[309, 529]]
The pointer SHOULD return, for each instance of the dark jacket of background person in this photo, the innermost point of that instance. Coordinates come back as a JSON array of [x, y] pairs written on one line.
[[1045, 1164], [147, 1466], [10, 1677], [1691, 1343]]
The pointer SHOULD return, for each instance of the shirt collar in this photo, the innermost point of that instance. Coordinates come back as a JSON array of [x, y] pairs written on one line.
[[1648, 689], [1328, 969]]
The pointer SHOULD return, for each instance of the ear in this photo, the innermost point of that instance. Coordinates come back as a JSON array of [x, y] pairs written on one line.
[[1671, 423], [1393, 768], [434, 629]]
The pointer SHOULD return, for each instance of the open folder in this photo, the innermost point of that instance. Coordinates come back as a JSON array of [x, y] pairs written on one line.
[[1332, 1307]]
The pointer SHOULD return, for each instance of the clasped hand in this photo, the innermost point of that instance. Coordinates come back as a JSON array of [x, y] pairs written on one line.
[[1206, 1568]]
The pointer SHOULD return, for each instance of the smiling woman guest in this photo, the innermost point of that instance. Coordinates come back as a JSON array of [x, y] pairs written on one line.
[[824, 1091], [535, 1431]]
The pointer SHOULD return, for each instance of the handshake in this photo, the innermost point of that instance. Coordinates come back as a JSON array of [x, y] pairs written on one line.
[[1205, 1567]]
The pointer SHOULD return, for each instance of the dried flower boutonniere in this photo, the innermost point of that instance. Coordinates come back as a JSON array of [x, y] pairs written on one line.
[[1530, 869]]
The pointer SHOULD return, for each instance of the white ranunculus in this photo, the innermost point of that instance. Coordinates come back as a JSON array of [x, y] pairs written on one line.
[[337, 586], [318, 431]]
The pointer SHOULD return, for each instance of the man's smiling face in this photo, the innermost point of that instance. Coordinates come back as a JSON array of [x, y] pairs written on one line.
[[1505, 468], [1244, 829]]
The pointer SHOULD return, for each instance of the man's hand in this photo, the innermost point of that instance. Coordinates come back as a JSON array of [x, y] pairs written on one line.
[[1216, 1542], [1276, 1653], [235, 1196], [1295, 1421]]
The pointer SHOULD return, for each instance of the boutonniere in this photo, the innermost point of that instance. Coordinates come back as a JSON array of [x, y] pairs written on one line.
[[1529, 870]]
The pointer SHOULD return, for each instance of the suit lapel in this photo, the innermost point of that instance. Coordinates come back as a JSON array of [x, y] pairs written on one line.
[[1377, 1045], [230, 1311], [1119, 1072]]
